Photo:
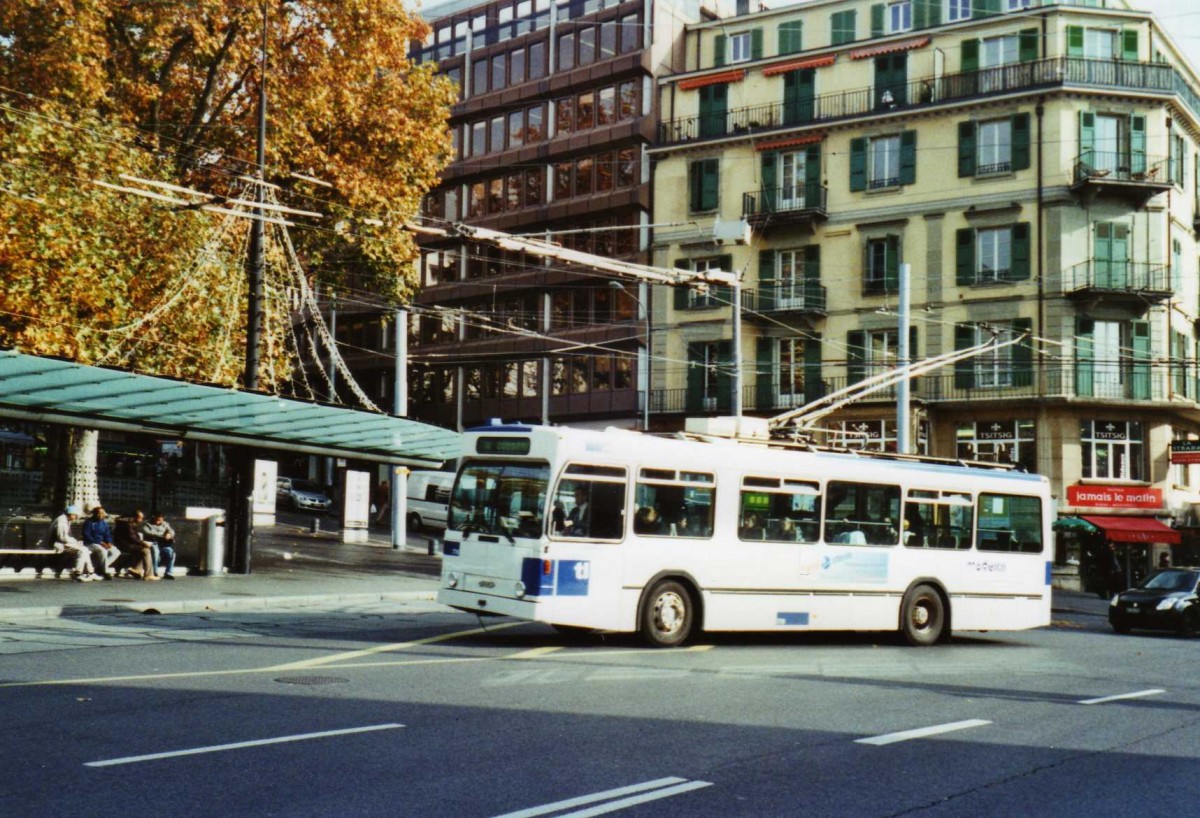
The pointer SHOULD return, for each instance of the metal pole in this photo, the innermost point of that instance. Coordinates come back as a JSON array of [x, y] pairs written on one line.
[[399, 481], [737, 349], [903, 443], [644, 292], [332, 372], [255, 262]]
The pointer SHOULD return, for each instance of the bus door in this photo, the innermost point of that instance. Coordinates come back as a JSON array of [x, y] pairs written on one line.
[[579, 580]]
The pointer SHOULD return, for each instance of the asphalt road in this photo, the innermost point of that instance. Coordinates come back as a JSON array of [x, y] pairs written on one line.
[[411, 710]]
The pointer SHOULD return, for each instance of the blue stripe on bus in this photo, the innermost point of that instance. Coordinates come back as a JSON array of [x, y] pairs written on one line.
[[450, 548], [531, 575], [1049, 574], [791, 618], [571, 577]]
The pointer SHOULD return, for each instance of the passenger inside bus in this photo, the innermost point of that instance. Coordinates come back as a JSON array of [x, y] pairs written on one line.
[[579, 521], [647, 521], [751, 530]]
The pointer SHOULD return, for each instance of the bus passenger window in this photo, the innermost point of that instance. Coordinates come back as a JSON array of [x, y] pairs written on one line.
[[1009, 523], [671, 504], [589, 502], [934, 519], [778, 510], [862, 513]]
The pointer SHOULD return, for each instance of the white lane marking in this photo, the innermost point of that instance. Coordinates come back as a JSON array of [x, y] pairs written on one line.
[[613, 806], [580, 801], [216, 748], [921, 732], [1135, 695]]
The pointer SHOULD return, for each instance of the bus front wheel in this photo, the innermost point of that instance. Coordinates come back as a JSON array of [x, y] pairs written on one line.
[[923, 616], [667, 615]]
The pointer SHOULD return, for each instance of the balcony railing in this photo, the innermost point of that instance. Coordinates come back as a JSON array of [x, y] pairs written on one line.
[[784, 204], [776, 296], [1105, 275], [1035, 74], [1128, 166], [1108, 380]]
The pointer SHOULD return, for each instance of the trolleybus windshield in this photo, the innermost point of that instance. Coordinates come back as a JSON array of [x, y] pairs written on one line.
[[493, 497]]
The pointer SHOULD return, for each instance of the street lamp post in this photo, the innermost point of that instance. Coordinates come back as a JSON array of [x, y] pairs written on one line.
[[617, 285]]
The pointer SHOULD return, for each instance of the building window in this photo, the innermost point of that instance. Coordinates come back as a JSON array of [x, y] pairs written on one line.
[[999, 441], [566, 52], [789, 363], [958, 10], [899, 16], [994, 254], [995, 147], [1017, 5], [1112, 449], [997, 51], [537, 60], [631, 33], [516, 66], [884, 163], [709, 296], [704, 178], [1099, 43], [882, 267], [739, 47]]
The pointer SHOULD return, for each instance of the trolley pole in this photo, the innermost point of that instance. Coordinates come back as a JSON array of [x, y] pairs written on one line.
[[903, 442]]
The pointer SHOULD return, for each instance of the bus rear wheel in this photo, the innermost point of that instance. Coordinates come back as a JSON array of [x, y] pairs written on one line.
[[923, 616], [667, 615]]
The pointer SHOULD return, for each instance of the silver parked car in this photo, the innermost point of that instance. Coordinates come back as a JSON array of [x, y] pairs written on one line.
[[302, 495]]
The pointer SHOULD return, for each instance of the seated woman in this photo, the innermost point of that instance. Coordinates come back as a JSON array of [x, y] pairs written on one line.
[[647, 521], [750, 529]]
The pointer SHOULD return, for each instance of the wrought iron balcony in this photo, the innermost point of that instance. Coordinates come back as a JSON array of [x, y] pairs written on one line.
[[786, 205], [1006, 79], [1118, 279], [1128, 173], [786, 296]]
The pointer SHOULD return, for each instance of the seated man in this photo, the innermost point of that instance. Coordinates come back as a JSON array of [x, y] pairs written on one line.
[[97, 536], [159, 532], [579, 521], [58, 537], [128, 537]]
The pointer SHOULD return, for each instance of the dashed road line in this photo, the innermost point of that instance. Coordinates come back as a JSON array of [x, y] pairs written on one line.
[[1137, 694], [238, 745], [921, 732], [624, 797]]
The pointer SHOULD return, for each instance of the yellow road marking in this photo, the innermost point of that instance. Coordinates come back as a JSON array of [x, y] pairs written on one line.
[[535, 653], [354, 654]]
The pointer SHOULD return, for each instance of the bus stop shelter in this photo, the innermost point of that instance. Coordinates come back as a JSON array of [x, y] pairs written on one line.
[[55, 391]]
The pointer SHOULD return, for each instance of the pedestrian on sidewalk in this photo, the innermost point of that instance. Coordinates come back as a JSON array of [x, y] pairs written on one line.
[[58, 537], [128, 537], [383, 502], [98, 537], [160, 534]]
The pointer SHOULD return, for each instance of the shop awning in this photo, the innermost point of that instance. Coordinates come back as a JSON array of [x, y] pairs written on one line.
[[1134, 529], [889, 48], [776, 144], [49, 390]]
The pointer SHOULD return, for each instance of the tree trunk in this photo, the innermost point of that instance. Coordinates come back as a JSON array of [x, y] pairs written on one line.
[[82, 485]]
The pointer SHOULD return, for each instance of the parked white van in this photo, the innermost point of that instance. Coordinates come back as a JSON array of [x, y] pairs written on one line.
[[428, 498]]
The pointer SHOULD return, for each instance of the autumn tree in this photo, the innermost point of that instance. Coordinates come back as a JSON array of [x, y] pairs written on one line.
[[104, 90]]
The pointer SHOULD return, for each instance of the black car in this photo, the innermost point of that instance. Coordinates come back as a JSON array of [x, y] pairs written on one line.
[[1166, 600]]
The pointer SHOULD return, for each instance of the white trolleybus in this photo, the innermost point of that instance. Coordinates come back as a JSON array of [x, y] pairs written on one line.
[[622, 531]]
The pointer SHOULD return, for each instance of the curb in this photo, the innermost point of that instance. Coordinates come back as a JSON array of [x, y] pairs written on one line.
[[222, 604]]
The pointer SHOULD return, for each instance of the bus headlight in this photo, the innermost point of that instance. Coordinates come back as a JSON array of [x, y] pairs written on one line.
[[452, 580], [519, 589]]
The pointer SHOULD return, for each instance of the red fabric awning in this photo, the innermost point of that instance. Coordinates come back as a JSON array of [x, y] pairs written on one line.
[[796, 65], [889, 48], [776, 144], [1134, 529], [713, 79]]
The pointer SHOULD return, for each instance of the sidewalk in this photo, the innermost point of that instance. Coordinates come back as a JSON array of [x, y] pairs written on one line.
[[290, 567]]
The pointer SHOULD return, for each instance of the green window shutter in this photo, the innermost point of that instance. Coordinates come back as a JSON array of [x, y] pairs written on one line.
[[770, 193], [908, 157], [694, 402], [858, 164], [680, 290], [927, 13], [1027, 45], [964, 257], [724, 376], [985, 8], [790, 36], [919, 14], [814, 387], [891, 265], [1087, 135], [764, 375], [1129, 44], [710, 178], [798, 95], [767, 284], [877, 12], [1022, 354], [1074, 41], [1084, 328], [714, 105], [722, 295], [1020, 142], [756, 43], [856, 342], [964, 371], [1137, 145], [1140, 380], [1020, 262], [719, 50], [966, 149], [970, 55], [843, 27], [812, 175], [812, 263]]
